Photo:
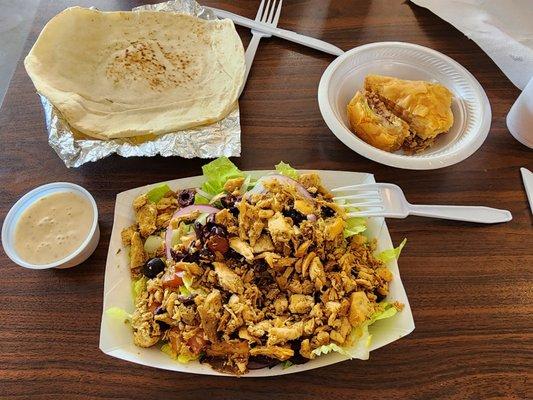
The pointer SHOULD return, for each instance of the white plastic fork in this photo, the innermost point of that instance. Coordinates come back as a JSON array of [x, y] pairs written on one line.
[[266, 15], [387, 200]]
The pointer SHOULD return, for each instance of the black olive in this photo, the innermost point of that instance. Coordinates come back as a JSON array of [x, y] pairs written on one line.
[[210, 220], [163, 325], [153, 267], [297, 358], [187, 300], [379, 296], [258, 362], [217, 230], [316, 296], [192, 256], [297, 217], [228, 201], [206, 255], [198, 229], [327, 212], [233, 254], [177, 255], [159, 310], [234, 211], [181, 256], [186, 197]]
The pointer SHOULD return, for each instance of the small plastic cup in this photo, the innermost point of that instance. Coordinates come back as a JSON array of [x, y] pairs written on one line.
[[520, 117], [79, 255]]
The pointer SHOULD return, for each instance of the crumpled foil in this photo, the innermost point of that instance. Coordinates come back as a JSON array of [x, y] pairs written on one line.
[[223, 138]]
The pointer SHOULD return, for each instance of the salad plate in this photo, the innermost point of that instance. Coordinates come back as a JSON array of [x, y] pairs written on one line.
[[116, 337]]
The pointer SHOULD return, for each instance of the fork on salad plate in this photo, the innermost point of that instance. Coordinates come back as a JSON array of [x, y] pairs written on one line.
[[387, 200]]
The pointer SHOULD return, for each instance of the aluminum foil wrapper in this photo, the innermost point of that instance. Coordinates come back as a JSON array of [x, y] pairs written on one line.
[[223, 138]]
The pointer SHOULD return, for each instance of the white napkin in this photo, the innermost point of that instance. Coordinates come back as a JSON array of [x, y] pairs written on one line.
[[503, 29]]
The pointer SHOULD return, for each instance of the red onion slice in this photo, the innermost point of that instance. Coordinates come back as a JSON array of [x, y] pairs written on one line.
[[184, 211], [260, 188], [168, 242]]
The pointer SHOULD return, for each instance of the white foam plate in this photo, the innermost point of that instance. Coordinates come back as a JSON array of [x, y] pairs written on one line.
[[470, 105], [116, 338]]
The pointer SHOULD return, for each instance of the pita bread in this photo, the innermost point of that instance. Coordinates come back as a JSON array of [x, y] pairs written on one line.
[[124, 74]]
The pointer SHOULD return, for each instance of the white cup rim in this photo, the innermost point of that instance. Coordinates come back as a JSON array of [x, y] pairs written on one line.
[[10, 220]]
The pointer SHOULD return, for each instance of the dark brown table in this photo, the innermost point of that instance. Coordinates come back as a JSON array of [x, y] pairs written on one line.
[[470, 286]]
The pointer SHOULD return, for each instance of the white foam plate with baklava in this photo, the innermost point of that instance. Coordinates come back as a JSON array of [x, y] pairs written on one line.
[[470, 105]]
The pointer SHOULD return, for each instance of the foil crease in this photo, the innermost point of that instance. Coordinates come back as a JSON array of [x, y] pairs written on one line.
[[223, 138]]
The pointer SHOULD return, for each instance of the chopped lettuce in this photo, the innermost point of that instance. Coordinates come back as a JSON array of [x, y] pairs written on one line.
[[199, 199], [186, 289], [385, 310], [165, 348], [247, 183], [286, 364], [202, 218], [182, 358], [287, 170], [217, 172], [118, 314], [328, 348], [391, 254], [152, 244], [182, 230], [185, 358], [158, 193], [138, 286], [360, 339], [354, 226]]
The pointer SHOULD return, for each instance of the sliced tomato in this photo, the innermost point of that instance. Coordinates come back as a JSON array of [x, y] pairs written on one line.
[[172, 281], [172, 278]]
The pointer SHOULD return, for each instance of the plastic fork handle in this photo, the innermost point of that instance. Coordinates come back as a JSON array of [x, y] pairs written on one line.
[[249, 57], [482, 215], [282, 33]]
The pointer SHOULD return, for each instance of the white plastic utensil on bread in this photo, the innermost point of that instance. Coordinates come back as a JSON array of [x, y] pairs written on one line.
[[387, 200], [270, 16]]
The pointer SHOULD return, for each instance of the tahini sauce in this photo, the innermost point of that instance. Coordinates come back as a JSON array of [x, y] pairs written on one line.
[[53, 227]]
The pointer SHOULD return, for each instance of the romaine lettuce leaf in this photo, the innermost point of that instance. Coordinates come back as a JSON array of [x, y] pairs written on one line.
[[165, 348], [186, 289], [286, 364], [199, 199], [246, 184], [217, 172], [152, 244], [287, 170], [328, 348], [388, 255], [384, 310], [137, 287], [118, 314], [354, 226], [157, 193], [182, 358]]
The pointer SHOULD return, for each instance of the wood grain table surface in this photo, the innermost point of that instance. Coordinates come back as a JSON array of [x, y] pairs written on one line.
[[470, 286]]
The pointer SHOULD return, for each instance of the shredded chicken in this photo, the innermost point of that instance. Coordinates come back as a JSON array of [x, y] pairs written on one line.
[[275, 282]]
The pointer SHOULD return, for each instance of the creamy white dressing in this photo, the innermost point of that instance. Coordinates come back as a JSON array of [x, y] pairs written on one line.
[[53, 227]]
